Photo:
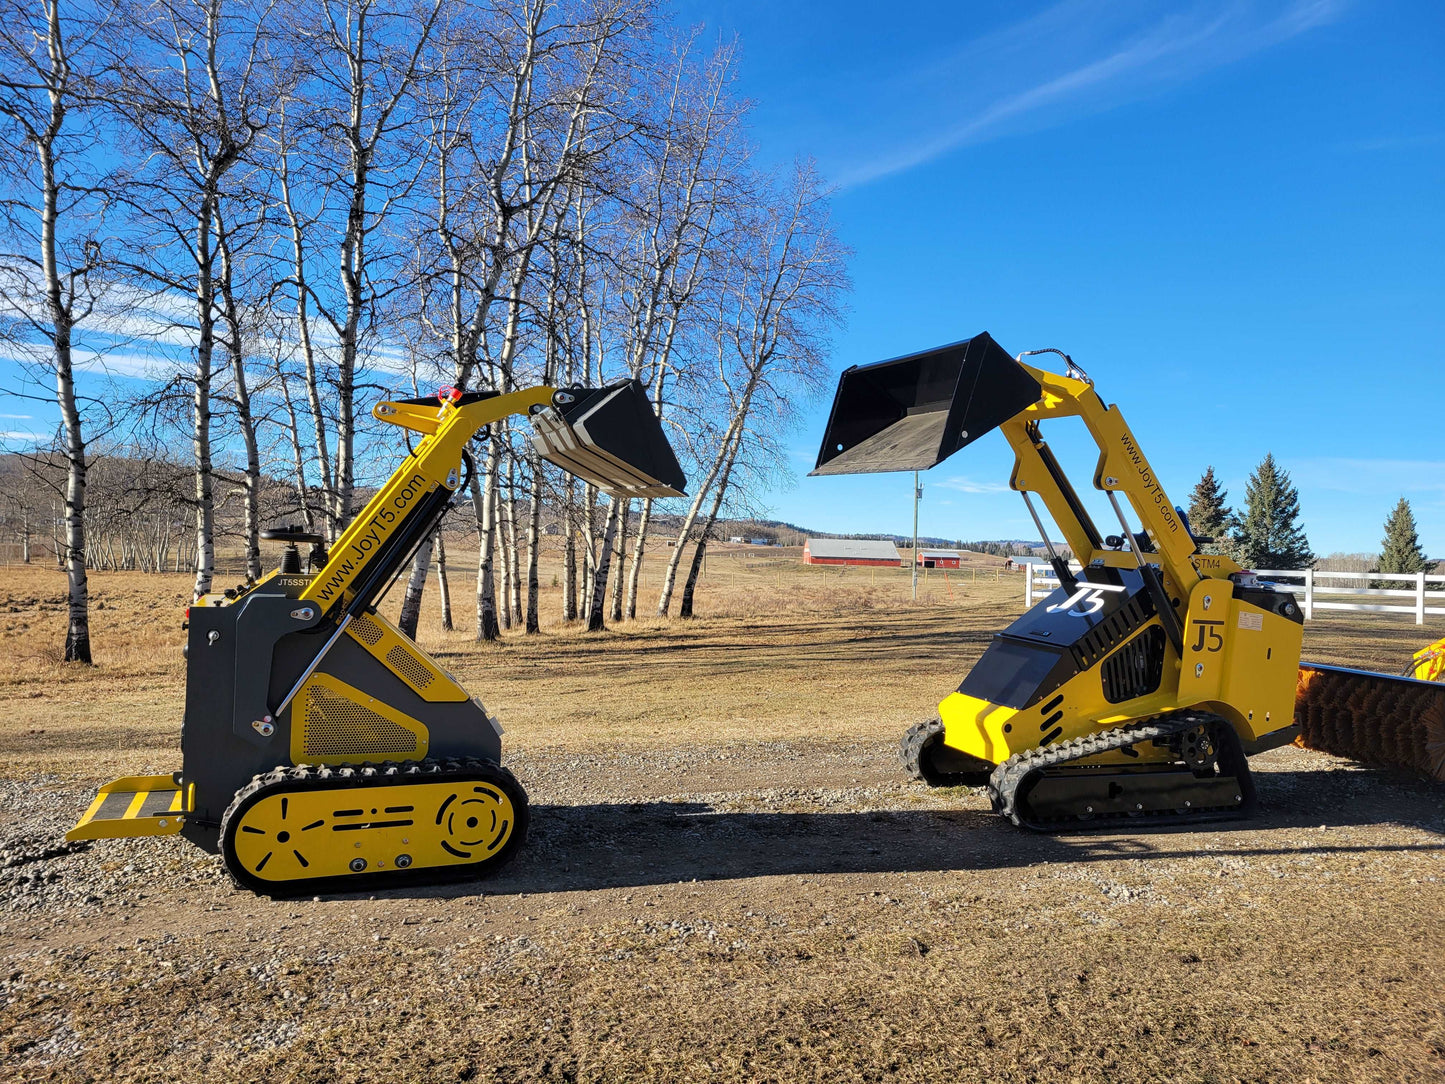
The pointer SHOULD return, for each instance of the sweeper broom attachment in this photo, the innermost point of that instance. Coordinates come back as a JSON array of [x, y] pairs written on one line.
[[1378, 719], [321, 748]]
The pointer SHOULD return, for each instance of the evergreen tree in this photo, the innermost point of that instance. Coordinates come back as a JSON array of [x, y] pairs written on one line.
[[1209, 515], [1270, 535], [1401, 544]]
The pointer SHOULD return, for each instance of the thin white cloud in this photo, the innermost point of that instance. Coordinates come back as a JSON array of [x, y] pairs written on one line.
[[968, 485], [1131, 61], [18, 417], [1372, 477]]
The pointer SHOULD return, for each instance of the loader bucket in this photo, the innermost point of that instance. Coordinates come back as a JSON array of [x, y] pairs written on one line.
[[913, 412], [611, 438]]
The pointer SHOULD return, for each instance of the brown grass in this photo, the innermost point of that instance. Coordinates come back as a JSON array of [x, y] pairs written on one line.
[[780, 650], [727, 879], [766, 657]]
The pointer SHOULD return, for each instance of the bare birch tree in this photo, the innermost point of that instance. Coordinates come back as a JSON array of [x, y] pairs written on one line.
[[695, 162], [783, 296], [346, 163], [54, 204], [186, 84], [546, 89], [239, 323]]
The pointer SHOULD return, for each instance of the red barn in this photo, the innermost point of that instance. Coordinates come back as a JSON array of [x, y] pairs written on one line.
[[851, 551], [939, 558]]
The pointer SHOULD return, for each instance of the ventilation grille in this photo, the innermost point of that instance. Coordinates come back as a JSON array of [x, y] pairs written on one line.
[[1136, 668], [339, 727], [1112, 631], [366, 630], [409, 666]]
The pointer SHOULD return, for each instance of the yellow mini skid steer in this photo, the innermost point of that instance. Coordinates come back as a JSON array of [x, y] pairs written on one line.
[[321, 748], [1140, 686]]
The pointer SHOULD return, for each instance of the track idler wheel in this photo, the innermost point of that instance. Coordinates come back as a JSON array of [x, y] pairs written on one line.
[[925, 757]]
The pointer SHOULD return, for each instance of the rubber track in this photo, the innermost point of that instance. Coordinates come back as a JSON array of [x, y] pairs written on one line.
[[913, 752], [403, 772], [1008, 777]]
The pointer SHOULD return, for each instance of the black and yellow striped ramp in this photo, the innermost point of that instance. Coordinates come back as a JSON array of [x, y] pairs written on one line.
[[138, 805]]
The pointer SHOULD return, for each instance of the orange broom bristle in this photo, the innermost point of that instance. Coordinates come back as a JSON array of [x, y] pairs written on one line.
[[1373, 718], [1432, 724]]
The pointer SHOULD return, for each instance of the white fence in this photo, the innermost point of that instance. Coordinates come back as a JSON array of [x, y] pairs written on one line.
[[1425, 598]]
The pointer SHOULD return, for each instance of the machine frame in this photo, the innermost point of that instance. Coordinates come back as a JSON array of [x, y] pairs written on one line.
[[301, 696], [1143, 681]]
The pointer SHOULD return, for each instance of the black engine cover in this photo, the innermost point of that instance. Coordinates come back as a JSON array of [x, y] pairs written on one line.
[[1067, 633]]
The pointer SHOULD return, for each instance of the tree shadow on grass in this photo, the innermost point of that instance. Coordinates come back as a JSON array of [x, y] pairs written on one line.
[[584, 847]]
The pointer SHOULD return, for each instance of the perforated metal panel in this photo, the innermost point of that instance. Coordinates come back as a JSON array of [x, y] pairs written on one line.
[[366, 630], [409, 666], [342, 723], [399, 654]]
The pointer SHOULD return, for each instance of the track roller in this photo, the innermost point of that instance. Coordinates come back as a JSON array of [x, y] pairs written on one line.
[[1047, 789], [925, 757]]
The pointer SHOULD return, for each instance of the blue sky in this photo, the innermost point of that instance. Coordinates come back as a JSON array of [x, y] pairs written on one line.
[[1230, 213]]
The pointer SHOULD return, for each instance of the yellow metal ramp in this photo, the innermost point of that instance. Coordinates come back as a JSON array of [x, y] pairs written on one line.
[[138, 805]]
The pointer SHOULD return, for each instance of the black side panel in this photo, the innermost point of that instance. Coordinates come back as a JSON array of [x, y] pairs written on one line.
[[221, 752], [915, 411], [213, 757]]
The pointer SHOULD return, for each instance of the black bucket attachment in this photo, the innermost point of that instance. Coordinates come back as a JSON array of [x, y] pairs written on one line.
[[914, 412], [611, 438]]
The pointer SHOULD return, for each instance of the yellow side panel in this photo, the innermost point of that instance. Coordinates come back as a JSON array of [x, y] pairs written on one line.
[[334, 723], [976, 727], [399, 654], [1241, 657], [138, 805], [995, 733], [333, 833]]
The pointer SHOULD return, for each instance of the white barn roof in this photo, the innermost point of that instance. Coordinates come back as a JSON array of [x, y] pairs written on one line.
[[868, 549], [939, 553]]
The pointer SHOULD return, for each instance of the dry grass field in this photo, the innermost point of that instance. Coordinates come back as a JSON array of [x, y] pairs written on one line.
[[728, 877]]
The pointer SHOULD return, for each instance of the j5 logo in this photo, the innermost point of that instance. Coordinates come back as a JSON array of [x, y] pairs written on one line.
[[1209, 629], [1088, 599]]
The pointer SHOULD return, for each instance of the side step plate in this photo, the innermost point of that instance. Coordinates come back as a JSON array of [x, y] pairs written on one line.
[[138, 805]]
